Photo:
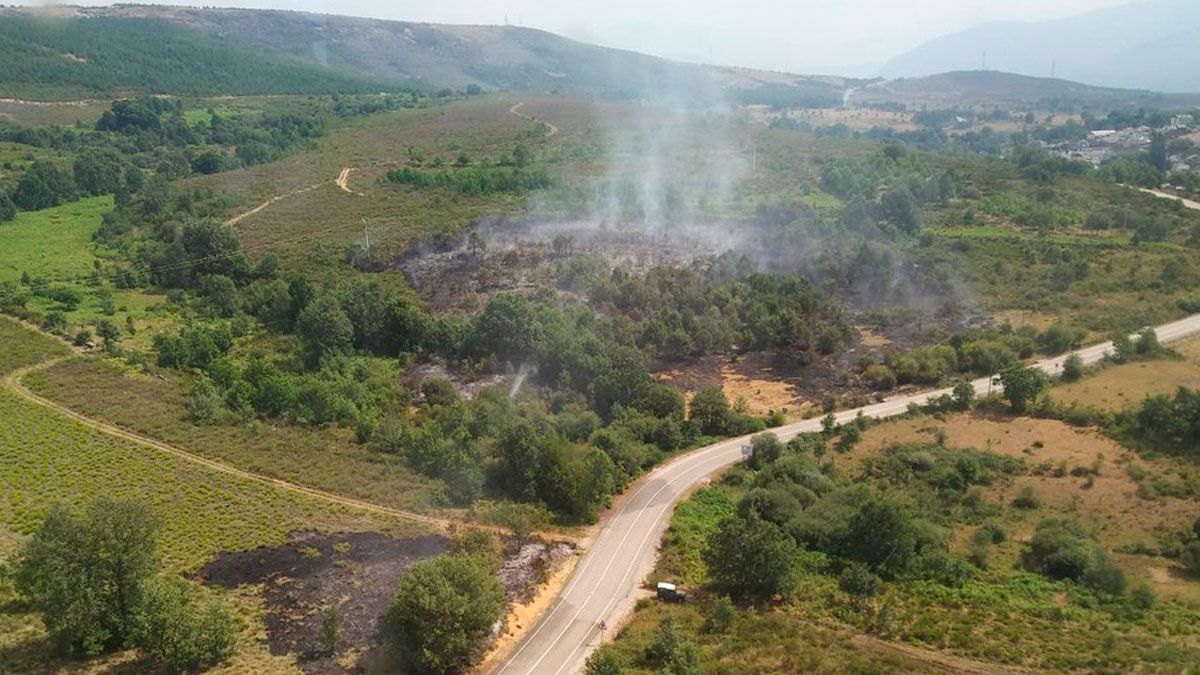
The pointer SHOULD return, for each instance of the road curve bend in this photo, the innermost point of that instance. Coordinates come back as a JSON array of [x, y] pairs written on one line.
[[604, 585]]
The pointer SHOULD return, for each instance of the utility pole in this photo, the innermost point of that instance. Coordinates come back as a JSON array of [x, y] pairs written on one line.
[[367, 234]]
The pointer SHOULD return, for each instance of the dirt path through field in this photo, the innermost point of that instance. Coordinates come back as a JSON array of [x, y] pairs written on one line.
[[516, 110], [238, 218], [14, 382], [343, 181], [1167, 195]]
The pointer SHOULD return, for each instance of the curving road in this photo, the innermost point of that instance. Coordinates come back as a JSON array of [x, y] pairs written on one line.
[[605, 584]]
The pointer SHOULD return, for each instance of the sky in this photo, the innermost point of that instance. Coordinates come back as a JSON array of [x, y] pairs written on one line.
[[850, 36]]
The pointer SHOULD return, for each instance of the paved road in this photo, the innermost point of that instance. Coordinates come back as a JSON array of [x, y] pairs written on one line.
[[606, 581]]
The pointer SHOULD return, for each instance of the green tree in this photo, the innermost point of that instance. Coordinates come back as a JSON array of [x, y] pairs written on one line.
[[1022, 386], [110, 333], [1123, 349], [509, 328], [44, 185], [750, 559], [86, 573], [765, 448], [324, 329], [179, 632], [521, 520], [1147, 342], [964, 395], [709, 411], [900, 208], [1073, 368], [1158, 153], [98, 171], [204, 401], [443, 612], [8, 208], [1190, 557]]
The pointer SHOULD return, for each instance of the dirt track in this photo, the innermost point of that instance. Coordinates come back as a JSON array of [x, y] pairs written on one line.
[[238, 218], [343, 181], [516, 110]]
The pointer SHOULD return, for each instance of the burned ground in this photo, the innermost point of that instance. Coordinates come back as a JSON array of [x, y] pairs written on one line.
[[357, 573]]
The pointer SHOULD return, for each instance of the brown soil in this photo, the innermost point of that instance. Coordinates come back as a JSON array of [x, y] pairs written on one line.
[[765, 381], [358, 573]]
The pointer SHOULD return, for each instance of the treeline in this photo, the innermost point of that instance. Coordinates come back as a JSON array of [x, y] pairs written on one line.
[[982, 351], [102, 56], [1166, 422], [474, 181]]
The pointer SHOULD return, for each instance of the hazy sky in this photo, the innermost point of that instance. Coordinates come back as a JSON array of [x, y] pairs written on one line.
[[796, 35]]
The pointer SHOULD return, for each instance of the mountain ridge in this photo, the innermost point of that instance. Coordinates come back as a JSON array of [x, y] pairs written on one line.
[[1146, 45]]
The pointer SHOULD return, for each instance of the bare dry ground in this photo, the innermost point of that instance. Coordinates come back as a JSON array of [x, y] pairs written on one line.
[[1124, 386]]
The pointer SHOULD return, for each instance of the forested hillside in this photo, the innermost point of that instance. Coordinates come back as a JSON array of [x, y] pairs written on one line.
[[97, 57]]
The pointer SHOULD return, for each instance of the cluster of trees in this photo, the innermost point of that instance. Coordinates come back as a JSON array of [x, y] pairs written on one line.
[[1168, 422], [476, 180], [1038, 165], [983, 351], [897, 179], [97, 581], [607, 422], [678, 312], [793, 504]]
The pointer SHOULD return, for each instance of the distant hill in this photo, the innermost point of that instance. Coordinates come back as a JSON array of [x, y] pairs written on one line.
[[1145, 45], [989, 88], [429, 56], [73, 57]]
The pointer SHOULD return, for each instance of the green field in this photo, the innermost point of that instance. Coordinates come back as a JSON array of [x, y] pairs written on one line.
[[55, 243]]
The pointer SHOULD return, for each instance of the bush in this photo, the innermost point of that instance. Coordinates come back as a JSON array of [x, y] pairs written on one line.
[[175, 630], [1190, 557], [720, 616], [879, 377], [859, 582], [204, 401], [669, 652], [604, 661], [443, 611], [1060, 549], [1027, 499], [1073, 368]]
